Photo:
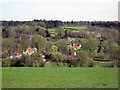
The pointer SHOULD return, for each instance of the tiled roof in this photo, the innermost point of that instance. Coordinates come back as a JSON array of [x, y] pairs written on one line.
[[30, 49]]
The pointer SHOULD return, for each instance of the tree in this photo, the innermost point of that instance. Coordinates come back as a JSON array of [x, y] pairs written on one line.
[[48, 46], [83, 57], [39, 42], [113, 48], [37, 60], [5, 33], [24, 42], [58, 57], [60, 32], [8, 44], [61, 44], [24, 29], [66, 33], [40, 30], [90, 45], [12, 32], [47, 33], [19, 46], [53, 49]]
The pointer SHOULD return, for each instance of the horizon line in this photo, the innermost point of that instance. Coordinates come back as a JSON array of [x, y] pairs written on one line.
[[66, 20]]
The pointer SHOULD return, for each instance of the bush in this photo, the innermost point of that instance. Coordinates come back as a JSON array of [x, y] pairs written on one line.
[[24, 61], [116, 63], [83, 57], [58, 57], [41, 63], [74, 61], [91, 64], [6, 62], [108, 65], [37, 61]]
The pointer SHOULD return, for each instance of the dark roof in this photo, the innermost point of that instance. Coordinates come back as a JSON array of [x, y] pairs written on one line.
[[66, 52]]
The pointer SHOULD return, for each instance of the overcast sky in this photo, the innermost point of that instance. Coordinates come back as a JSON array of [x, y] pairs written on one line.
[[66, 10]]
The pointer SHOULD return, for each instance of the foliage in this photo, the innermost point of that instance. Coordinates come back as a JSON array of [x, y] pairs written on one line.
[[60, 32], [90, 45], [8, 44], [108, 65], [24, 29], [91, 64], [83, 57], [12, 33], [113, 50], [6, 62], [74, 61], [39, 42], [58, 57], [17, 35], [61, 44], [53, 49], [24, 43]]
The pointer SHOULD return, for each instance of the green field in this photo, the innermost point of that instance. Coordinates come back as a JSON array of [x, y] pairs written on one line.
[[52, 31], [77, 28], [59, 77]]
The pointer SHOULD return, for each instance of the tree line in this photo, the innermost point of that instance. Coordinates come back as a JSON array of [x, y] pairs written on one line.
[[56, 23]]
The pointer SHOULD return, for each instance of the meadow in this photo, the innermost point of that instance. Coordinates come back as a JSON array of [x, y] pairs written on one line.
[[79, 28], [69, 28], [59, 77]]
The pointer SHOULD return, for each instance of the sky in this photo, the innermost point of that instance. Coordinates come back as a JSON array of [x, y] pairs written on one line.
[[65, 10]]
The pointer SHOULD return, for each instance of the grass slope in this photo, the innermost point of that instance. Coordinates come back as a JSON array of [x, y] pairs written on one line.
[[77, 28], [31, 77]]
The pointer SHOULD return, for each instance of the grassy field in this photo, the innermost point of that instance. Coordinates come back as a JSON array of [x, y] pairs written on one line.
[[78, 28], [46, 77], [52, 31]]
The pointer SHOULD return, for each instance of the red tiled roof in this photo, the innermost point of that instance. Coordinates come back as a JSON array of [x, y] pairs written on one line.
[[17, 51], [30, 49], [75, 45]]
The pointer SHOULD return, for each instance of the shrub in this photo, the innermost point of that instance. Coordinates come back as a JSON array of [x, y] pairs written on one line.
[[108, 65], [57, 57], [91, 64], [41, 63], [6, 62], [83, 57], [37, 61], [74, 61], [116, 63]]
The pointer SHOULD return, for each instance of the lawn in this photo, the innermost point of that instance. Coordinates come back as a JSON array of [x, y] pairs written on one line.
[[52, 31], [76, 27], [49, 77]]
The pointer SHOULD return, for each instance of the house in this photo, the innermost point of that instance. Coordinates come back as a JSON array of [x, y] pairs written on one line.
[[28, 51], [76, 46], [35, 49], [16, 53], [67, 53]]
